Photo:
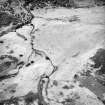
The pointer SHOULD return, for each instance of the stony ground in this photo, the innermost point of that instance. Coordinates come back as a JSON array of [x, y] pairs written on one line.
[[58, 59]]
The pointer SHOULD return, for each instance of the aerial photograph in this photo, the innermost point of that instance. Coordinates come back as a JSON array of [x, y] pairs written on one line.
[[52, 52]]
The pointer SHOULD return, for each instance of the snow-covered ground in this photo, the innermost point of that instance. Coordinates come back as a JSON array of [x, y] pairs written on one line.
[[69, 37]]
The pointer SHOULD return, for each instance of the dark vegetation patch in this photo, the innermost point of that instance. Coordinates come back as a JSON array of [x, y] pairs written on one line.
[[99, 60], [62, 3], [94, 83], [5, 19], [7, 63], [1, 42], [11, 101], [99, 64], [66, 87], [8, 58], [12, 11], [24, 16], [55, 83], [30, 98], [7, 76], [69, 101], [27, 99], [11, 52]]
